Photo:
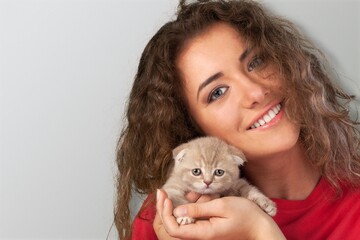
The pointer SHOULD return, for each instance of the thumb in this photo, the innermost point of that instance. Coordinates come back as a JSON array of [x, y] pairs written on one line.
[[212, 208]]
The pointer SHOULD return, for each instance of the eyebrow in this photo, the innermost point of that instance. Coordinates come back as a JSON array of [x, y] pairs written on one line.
[[245, 54], [208, 81], [217, 75]]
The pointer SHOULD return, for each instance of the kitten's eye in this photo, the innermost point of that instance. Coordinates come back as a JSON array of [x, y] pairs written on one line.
[[196, 171], [219, 172], [217, 93], [255, 62]]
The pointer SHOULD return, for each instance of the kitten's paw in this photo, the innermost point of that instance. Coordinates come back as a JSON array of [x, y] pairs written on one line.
[[271, 209], [185, 220], [268, 206]]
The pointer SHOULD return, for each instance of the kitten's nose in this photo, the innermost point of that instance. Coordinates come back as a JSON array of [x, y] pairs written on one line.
[[207, 182]]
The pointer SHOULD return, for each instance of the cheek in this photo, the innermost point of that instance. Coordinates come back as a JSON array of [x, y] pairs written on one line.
[[285, 139], [217, 122]]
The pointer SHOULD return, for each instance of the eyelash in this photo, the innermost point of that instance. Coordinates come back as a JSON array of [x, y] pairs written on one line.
[[255, 62], [211, 95]]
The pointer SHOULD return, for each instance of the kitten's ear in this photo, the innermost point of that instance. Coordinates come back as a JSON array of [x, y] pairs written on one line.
[[180, 156], [179, 152], [239, 161], [237, 155]]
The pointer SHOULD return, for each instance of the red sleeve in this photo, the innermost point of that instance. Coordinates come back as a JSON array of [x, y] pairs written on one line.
[[142, 226]]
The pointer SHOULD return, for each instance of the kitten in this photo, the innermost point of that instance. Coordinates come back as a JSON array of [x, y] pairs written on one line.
[[208, 165]]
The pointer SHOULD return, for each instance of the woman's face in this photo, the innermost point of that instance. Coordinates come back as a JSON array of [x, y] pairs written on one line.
[[230, 98]]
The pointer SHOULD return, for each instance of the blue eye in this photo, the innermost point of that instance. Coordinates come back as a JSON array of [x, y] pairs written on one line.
[[196, 171], [255, 62], [217, 93]]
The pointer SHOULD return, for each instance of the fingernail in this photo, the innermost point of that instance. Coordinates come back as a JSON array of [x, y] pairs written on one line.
[[180, 212]]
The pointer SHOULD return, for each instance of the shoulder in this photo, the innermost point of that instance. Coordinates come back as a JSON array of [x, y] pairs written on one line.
[[326, 214], [350, 195], [142, 226]]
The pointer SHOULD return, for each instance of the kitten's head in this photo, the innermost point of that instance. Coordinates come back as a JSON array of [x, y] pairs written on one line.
[[207, 165]]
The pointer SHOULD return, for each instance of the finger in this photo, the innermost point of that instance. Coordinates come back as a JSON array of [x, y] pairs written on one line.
[[157, 225], [164, 219], [167, 215], [160, 230], [168, 219], [193, 196], [197, 197], [213, 208], [160, 198], [206, 198], [201, 229], [161, 195], [189, 231]]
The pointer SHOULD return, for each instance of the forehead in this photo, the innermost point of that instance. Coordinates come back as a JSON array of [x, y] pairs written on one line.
[[208, 52], [207, 148], [220, 34]]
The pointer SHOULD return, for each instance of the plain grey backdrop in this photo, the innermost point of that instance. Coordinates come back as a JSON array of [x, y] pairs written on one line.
[[66, 69]]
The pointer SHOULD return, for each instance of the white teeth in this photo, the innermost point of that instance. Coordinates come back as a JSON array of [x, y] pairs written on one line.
[[276, 110], [272, 114], [267, 117]]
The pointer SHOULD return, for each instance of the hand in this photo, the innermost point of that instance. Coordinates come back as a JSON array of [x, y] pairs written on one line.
[[158, 226], [199, 198], [228, 218], [191, 196]]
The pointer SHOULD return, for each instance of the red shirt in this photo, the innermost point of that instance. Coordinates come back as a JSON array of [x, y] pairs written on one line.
[[322, 215], [142, 228]]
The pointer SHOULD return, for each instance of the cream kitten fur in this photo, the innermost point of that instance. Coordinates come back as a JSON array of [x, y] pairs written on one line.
[[208, 165]]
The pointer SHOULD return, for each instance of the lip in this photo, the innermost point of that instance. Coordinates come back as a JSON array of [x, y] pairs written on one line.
[[206, 190], [272, 122]]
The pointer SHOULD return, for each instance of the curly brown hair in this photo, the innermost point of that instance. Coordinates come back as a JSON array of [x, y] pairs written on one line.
[[157, 116]]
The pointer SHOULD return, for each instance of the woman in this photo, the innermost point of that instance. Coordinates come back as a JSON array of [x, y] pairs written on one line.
[[220, 68]]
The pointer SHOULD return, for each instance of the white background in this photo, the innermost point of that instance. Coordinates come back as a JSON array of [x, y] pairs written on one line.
[[66, 68]]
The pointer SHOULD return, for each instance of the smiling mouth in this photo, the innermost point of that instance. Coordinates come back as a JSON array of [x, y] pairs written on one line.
[[270, 115]]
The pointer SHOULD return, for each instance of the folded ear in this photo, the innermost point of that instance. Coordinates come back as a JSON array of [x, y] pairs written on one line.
[[179, 152], [237, 155], [239, 161]]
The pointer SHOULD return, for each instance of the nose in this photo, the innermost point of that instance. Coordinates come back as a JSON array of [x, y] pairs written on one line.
[[207, 182], [253, 92]]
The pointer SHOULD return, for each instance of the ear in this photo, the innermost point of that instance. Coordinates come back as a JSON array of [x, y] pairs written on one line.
[[180, 156], [237, 155], [239, 161], [179, 152]]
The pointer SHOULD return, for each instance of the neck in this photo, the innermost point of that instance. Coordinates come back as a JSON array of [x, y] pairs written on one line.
[[287, 175]]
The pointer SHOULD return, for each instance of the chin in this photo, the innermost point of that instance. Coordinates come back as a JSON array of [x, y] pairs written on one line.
[[275, 152], [207, 191]]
